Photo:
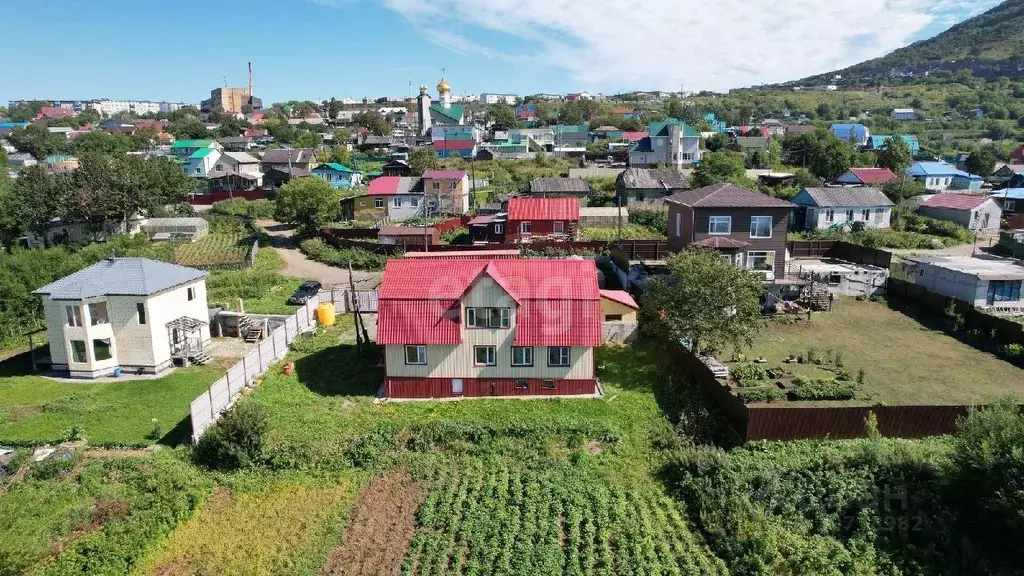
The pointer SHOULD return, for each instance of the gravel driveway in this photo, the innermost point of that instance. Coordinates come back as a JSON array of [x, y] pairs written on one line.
[[297, 265]]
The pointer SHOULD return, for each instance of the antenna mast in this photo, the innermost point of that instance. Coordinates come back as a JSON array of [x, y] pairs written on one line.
[[225, 75], [250, 83]]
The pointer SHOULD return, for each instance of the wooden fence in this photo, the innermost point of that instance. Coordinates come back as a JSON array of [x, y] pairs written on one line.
[[222, 394], [1006, 331], [840, 251], [787, 422]]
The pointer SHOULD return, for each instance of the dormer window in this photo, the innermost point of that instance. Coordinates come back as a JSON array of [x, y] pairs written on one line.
[[487, 318]]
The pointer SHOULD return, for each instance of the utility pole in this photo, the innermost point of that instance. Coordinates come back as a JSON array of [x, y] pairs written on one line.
[[355, 309]]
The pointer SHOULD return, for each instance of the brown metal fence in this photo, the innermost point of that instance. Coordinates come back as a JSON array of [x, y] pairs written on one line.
[[839, 250], [1005, 331]]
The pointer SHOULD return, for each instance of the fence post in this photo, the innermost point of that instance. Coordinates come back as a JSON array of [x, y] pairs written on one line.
[[209, 398]]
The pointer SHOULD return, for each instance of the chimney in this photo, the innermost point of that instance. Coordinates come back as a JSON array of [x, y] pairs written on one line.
[[113, 256], [250, 83]]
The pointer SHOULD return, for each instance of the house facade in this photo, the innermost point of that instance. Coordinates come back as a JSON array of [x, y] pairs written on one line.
[[201, 163], [182, 149], [337, 175], [449, 189], [535, 218], [135, 314], [856, 134], [747, 227], [399, 198], [865, 177], [903, 114], [672, 143], [515, 327], [648, 184], [988, 284], [288, 158], [847, 206], [938, 176], [973, 212]]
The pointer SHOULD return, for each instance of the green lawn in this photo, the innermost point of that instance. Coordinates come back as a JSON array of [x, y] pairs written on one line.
[[38, 409], [904, 361], [263, 289]]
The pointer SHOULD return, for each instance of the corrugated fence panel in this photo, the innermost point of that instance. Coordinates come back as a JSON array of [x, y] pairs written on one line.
[[785, 423], [266, 349]]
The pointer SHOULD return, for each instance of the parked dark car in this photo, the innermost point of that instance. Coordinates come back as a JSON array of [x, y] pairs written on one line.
[[304, 292]]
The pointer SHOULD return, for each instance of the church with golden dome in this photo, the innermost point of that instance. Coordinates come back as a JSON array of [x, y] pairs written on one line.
[[440, 113]]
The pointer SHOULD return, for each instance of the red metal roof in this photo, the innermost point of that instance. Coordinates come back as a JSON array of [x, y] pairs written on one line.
[[558, 300], [385, 185], [544, 209], [955, 201], [873, 175], [623, 110], [620, 296], [444, 174], [54, 112], [634, 136], [454, 145]]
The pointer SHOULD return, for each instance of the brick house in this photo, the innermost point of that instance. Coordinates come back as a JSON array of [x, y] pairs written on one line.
[[530, 218], [747, 227], [514, 327]]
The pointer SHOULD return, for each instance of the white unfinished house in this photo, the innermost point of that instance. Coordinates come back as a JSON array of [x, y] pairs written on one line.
[[133, 314]]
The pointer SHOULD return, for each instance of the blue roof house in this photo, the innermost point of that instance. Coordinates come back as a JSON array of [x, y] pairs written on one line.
[[337, 175], [938, 176], [876, 142], [858, 134], [1011, 200], [717, 125]]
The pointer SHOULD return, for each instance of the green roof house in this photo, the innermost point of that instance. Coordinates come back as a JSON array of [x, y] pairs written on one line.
[[671, 143], [337, 175], [183, 149]]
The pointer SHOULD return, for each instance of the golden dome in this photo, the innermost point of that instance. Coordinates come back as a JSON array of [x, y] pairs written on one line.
[[443, 86]]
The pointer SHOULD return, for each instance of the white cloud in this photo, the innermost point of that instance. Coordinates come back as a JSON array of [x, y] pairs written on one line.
[[700, 44]]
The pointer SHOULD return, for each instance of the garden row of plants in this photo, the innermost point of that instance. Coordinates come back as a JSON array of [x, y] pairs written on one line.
[[318, 250]]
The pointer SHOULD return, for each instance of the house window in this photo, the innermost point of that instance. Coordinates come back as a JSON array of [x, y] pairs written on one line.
[[140, 309], [451, 185], [865, 215], [74, 314], [558, 356], [414, 201], [849, 215], [830, 215], [396, 202], [559, 227], [549, 384], [436, 186], [761, 260], [1003, 291], [522, 384], [613, 317], [498, 228], [487, 317], [484, 356], [98, 313], [760, 226], [378, 202], [1008, 205], [720, 225], [879, 212], [78, 351], [220, 167], [639, 196], [191, 292], [679, 225], [101, 349], [522, 356], [197, 170], [525, 227], [415, 354]]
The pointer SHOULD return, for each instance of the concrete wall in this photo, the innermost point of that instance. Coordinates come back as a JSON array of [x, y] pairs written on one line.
[[952, 283], [602, 218], [457, 361]]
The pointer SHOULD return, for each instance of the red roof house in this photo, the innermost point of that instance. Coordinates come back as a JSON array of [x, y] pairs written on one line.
[[955, 201], [634, 136], [488, 327], [968, 210], [48, 112], [1017, 156], [530, 218], [866, 176]]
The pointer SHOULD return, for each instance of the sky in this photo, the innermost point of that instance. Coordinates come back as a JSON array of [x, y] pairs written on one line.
[[318, 49]]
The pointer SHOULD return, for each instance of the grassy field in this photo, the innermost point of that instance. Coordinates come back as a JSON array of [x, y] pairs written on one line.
[[263, 289], [214, 249], [38, 409], [904, 362]]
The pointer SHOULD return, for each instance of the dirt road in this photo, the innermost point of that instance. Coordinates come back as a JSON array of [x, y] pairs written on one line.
[[981, 247], [298, 266]]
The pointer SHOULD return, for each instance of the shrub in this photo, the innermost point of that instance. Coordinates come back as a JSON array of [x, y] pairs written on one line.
[[750, 371], [654, 219], [318, 250], [236, 440], [629, 232], [455, 236], [748, 383], [1013, 350], [822, 390], [244, 208], [759, 394]]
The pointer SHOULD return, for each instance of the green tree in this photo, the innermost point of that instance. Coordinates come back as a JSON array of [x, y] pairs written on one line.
[[309, 203], [188, 129], [830, 156], [981, 162], [144, 138], [705, 301], [340, 155], [716, 143], [37, 141], [422, 159], [895, 155], [39, 198], [374, 122], [230, 127], [824, 111], [334, 107], [502, 115], [902, 188], [307, 139], [718, 167], [98, 142]]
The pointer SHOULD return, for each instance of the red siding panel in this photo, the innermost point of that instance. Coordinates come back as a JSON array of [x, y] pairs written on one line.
[[483, 387]]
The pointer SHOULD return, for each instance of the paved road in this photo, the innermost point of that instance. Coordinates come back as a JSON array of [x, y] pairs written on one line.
[[298, 266]]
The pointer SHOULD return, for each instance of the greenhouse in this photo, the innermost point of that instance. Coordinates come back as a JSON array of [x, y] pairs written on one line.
[[181, 229]]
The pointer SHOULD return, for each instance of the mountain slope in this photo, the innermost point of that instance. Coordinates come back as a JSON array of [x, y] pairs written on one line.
[[990, 44]]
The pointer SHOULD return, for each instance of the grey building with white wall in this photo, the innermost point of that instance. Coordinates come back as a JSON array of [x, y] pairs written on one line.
[[986, 283]]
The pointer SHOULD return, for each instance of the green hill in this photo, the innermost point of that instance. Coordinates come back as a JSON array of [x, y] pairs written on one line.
[[990, 45]]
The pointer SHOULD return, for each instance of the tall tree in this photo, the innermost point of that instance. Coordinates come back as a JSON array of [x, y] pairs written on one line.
[[981, 162], [718, 167], [37, 141], [704, 301], [39, 198], [502, 115], [188, 129], [830, 156], [374, 122], [895, 155], [308, 203], [422, 159]]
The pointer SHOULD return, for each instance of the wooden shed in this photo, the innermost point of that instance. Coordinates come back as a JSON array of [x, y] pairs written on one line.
[[409, 235]]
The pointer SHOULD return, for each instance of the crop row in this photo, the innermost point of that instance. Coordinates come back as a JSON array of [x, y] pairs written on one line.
[[213, 250], [505, 521]]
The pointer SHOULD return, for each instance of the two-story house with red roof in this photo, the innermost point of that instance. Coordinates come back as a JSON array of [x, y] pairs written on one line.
[[530, 218], [517, 327]]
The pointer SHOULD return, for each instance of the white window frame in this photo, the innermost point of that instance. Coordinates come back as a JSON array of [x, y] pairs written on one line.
[[140, 312], [490, 356], [558, 227], [866, 214], [73, 315], [473, 317], [850, 215], [771, 224], [190, 293], [378, 202], [526, 360], [421, 355], [498, 228], [679, 226], [97, 319], [830, 215], [769, 259], [713, 221], [85, 351], [526, 227], [1009, 205], [564, 356], [414, 202]]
